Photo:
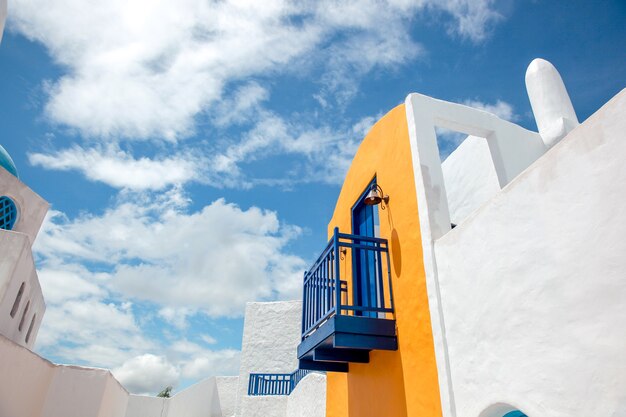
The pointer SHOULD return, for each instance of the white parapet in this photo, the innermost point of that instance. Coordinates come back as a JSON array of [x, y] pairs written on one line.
[[308, 399], [552, 107], [227, 390], [33, 386], [211, 397]]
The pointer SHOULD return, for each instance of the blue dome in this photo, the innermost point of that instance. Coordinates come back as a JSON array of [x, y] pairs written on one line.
[[6, 162]]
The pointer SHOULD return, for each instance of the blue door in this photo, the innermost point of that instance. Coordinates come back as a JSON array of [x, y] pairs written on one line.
[[364, 265]]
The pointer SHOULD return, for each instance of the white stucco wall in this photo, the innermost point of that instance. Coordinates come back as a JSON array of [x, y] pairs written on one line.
[[470, 178], [271, 335], [199, 400], [308, 399], [227, 389], [84, 392], [30, 386], [144, 406], [533, 284], [17, 267], [264, 406], [24, 380], [115, 398]]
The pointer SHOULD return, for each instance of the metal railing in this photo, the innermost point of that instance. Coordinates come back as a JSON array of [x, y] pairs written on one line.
[[362, 257], [275, 384]]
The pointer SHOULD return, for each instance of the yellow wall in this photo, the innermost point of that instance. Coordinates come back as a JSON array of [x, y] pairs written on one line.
[[404, 382]]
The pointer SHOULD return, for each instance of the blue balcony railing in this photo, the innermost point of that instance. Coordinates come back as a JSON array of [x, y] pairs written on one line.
[[327, 290], [275, 384]]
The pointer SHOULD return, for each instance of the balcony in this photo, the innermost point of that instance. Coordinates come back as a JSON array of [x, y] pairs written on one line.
[[347, 304], [275, 384]]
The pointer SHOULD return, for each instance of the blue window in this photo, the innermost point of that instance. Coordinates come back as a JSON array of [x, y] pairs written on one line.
[[365, 222], [8, 213], [515, 413]]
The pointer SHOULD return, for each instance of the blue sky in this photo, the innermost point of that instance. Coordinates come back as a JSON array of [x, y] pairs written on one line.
[[192, 151]]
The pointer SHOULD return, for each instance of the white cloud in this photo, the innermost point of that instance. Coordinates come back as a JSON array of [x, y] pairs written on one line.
[[150, 373], [363, 126], [63, 284], [212, 260], [196, 362], [147, 374], [242, 106], [208, 339], [121, 170], [81, 326], [223, 362], [472, 19], [142, 70], [172, 264], [177, 317], [326, 152], [100, 333]]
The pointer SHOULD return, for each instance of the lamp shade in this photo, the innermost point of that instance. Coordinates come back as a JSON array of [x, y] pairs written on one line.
[[373, 197]]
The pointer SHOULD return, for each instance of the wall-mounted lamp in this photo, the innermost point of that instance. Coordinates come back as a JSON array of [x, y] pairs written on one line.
[[376, 196]]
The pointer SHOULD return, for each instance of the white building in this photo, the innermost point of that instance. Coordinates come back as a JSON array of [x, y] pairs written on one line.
[[21, 213], [522, 240]]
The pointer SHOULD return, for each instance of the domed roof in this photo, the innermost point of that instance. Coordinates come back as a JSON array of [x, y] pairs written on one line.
[[6, 162]]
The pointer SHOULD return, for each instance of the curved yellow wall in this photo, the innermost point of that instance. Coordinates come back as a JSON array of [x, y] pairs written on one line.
[[404, 382]]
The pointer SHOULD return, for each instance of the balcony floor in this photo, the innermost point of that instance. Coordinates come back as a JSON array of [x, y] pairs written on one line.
[[345, 339]]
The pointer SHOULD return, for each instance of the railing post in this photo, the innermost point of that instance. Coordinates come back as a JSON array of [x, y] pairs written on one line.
[[304, 304], [337, 269], [393, 308]]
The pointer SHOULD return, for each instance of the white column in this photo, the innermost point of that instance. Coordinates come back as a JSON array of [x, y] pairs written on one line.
[[550, 102]]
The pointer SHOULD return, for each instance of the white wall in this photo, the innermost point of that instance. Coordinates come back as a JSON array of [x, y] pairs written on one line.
[[264, 406], [308, 399], [84, 392], [470, 178], [144, 406], [24, 380], [211, 397], [199, 400], [17, 267], [114, 400], [227, 389], [271, 334], [33, 387], [533, 284]]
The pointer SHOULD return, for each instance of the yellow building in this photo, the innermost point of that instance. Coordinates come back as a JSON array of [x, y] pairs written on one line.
[[400, 379], [412, 318]]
